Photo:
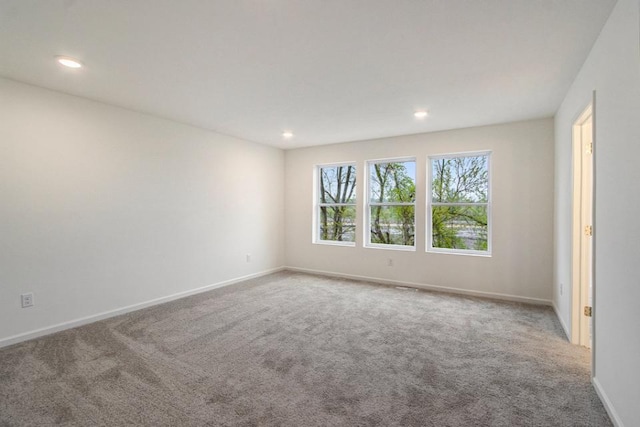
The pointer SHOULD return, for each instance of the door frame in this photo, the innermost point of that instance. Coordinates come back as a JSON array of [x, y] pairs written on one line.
[[579, 298]]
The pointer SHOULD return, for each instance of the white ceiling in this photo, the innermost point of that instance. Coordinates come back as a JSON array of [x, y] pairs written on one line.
[[329, 70]]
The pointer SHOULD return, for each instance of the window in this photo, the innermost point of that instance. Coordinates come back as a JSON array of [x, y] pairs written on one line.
[[459, 204], [391, 203], [336, 201]]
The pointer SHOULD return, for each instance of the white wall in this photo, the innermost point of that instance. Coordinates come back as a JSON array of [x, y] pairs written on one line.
[[102, 208], [522, 193], [613, 71]]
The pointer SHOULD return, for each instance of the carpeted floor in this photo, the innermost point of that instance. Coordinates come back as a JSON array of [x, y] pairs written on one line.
[[299, 350]]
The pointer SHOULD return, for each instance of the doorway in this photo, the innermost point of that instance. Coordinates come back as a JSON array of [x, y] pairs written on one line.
[[582, 331]]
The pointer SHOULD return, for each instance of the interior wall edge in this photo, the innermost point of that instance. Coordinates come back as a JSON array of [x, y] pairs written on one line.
[[611, 410], [561, 320]]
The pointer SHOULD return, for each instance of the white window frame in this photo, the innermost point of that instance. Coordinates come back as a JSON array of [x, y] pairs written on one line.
[[430, 204], [368, 204], [317, 205]]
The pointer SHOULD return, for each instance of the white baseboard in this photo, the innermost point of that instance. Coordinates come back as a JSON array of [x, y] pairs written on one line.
[[615, 418], [564, 325], [111, 313], [390, 282]]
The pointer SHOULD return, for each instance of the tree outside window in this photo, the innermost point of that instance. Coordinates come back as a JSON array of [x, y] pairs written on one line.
[[392, 196], [336, 203], [459, 203]]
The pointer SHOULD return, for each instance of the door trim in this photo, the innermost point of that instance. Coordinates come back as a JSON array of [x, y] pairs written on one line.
[[578, 297]]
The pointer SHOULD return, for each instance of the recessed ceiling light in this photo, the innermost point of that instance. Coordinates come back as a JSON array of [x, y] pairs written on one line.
[[420, 114], [287, 134], [68, 62]]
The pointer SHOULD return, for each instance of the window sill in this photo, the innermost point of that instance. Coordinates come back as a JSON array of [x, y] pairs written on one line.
[[456, 252], [391, 247], [335, 243]]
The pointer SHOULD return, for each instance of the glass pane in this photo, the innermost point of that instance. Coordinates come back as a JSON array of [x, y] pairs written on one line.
[[393, 225], [338, 184], [460, 227], [338, 223], [460, 179], [393, 182]]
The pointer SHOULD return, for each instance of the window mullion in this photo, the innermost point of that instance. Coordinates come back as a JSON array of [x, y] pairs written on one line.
[[459, 204], [392, 204]]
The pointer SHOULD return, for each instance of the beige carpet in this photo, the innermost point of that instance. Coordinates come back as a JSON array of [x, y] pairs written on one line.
[[298, 350]]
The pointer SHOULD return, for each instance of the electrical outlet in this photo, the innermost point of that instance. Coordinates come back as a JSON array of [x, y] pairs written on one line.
[[390, 262], [248, 257], [27, 300]]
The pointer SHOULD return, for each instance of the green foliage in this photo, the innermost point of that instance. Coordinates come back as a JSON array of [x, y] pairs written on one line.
[[459, 193], [337, 186], [460, 183], [394, 223]]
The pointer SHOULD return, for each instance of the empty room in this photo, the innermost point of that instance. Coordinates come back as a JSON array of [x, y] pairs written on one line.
[[319, 213]]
